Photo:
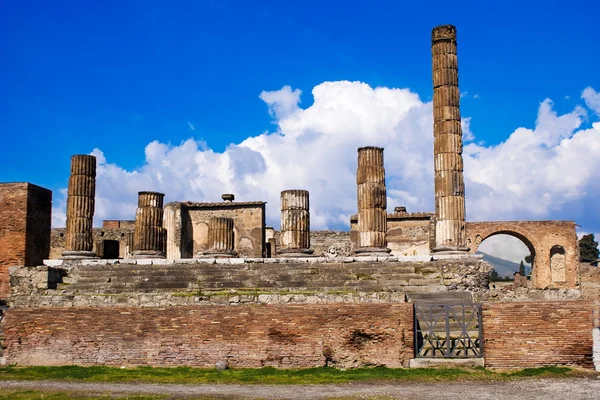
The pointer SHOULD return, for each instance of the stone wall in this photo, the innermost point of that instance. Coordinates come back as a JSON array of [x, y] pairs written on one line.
[[187, 227], [408, 234], [590, 281], [110, 231], [553, 244], [533, 334], [290, 336], [25, 215]]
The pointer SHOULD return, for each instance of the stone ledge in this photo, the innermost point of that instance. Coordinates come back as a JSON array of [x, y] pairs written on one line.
[[274, 260], [450, 362]]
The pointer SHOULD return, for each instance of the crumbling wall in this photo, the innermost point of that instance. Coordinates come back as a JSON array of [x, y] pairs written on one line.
[[25, 215], [553, 243], [408, 234], [187, 227], [283, 336], [120, 233], [590, 281]]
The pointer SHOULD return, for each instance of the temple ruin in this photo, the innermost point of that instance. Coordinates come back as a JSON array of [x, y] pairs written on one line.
[[196, 283]]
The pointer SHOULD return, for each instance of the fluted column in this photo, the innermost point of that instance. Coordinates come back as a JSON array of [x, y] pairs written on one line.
[[450, 230], [372, 202], [295, 224], [221, 241], [80, 208], [148, 234]]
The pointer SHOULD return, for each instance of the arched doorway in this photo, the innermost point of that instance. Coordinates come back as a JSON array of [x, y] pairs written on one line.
[[509, 253]]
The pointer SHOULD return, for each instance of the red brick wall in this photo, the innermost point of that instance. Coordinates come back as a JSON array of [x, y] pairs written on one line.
[[25, 213], [13, 227], [529, 334], [299, 336]]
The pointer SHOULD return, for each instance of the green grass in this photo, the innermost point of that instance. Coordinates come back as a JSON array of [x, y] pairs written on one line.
[[6, 394], [270, 375]]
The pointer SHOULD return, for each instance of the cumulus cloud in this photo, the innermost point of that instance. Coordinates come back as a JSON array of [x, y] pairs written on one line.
[[549, 171], [592, 99]]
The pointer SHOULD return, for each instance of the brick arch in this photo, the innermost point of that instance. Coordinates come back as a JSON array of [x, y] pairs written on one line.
[[539, 237]]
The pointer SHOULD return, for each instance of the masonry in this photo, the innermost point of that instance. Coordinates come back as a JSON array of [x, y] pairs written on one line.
[[25, 213]]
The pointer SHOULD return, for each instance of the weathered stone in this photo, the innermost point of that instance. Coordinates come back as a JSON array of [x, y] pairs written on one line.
[[372, 203], [149, 233], [447, 136], [295, 224], [220, 238], [80, 208]]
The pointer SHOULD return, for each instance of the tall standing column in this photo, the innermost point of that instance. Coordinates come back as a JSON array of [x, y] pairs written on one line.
[[295, 224], [148, 233], [221, 240], [372, 202], [80, 208], [450, 230]]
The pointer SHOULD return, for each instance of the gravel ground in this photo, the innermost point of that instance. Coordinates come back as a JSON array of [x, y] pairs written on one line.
[[547, 389]]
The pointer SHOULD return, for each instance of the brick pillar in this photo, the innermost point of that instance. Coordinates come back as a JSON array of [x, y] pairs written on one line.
[[372, 203], [450, 227], [148, 234], [221, 242], [80, 208], [295, 224]]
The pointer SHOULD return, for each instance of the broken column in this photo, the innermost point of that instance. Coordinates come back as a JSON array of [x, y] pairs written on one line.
[[372, 203], [80, 208], [148, 233], [295, 224], [221, 242], [450, 229]]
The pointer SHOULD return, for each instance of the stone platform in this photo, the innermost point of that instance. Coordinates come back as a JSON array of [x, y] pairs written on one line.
[[311, 280]]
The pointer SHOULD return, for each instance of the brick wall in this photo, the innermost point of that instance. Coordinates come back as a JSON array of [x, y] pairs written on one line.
[[294, 336], [25, 213], [537, 334]]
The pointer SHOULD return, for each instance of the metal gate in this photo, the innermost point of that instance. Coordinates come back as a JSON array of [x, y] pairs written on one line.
[[450, 330]]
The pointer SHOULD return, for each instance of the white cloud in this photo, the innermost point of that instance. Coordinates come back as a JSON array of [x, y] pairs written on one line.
[[592, 99], [550, 171]]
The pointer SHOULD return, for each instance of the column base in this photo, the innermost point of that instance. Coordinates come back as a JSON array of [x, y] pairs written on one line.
[[371, 251], [217, 254], [147, 254], [451, 249], [292, 253], [77, 255]]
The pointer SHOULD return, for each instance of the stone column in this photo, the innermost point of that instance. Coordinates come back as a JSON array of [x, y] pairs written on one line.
[[148, 234], [295, 224], [221, 242], [447, 144], [372, 203], [80, 208]]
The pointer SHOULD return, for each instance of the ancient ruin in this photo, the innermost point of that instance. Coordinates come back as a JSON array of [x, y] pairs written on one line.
[[200, 283], [372, 202], [450, 233], [80, 207], [148, 237], [295, 224]]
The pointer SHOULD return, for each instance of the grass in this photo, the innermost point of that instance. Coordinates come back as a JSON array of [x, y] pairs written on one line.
[[269, 375], [6, 394]]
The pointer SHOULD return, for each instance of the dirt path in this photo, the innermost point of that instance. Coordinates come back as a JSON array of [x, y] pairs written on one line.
[[548, 389]]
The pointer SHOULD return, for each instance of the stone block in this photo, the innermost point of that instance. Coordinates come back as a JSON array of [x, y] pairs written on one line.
[[53, 263]]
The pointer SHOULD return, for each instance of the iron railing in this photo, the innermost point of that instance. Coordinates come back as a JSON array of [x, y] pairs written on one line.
[[448, 330]]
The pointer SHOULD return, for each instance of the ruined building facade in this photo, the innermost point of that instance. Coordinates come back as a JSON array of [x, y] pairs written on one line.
[[195, 283]]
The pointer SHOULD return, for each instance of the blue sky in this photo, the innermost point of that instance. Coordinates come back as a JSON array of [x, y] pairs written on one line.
[[118, 75]]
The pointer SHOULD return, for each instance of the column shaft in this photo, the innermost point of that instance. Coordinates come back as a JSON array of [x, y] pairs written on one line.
[[149, 232], [221, 240], [80, 207], [450, 226], [295, 224], [372, 202]]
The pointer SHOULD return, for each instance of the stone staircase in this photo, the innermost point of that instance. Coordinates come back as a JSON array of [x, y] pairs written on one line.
[[290, 277]]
